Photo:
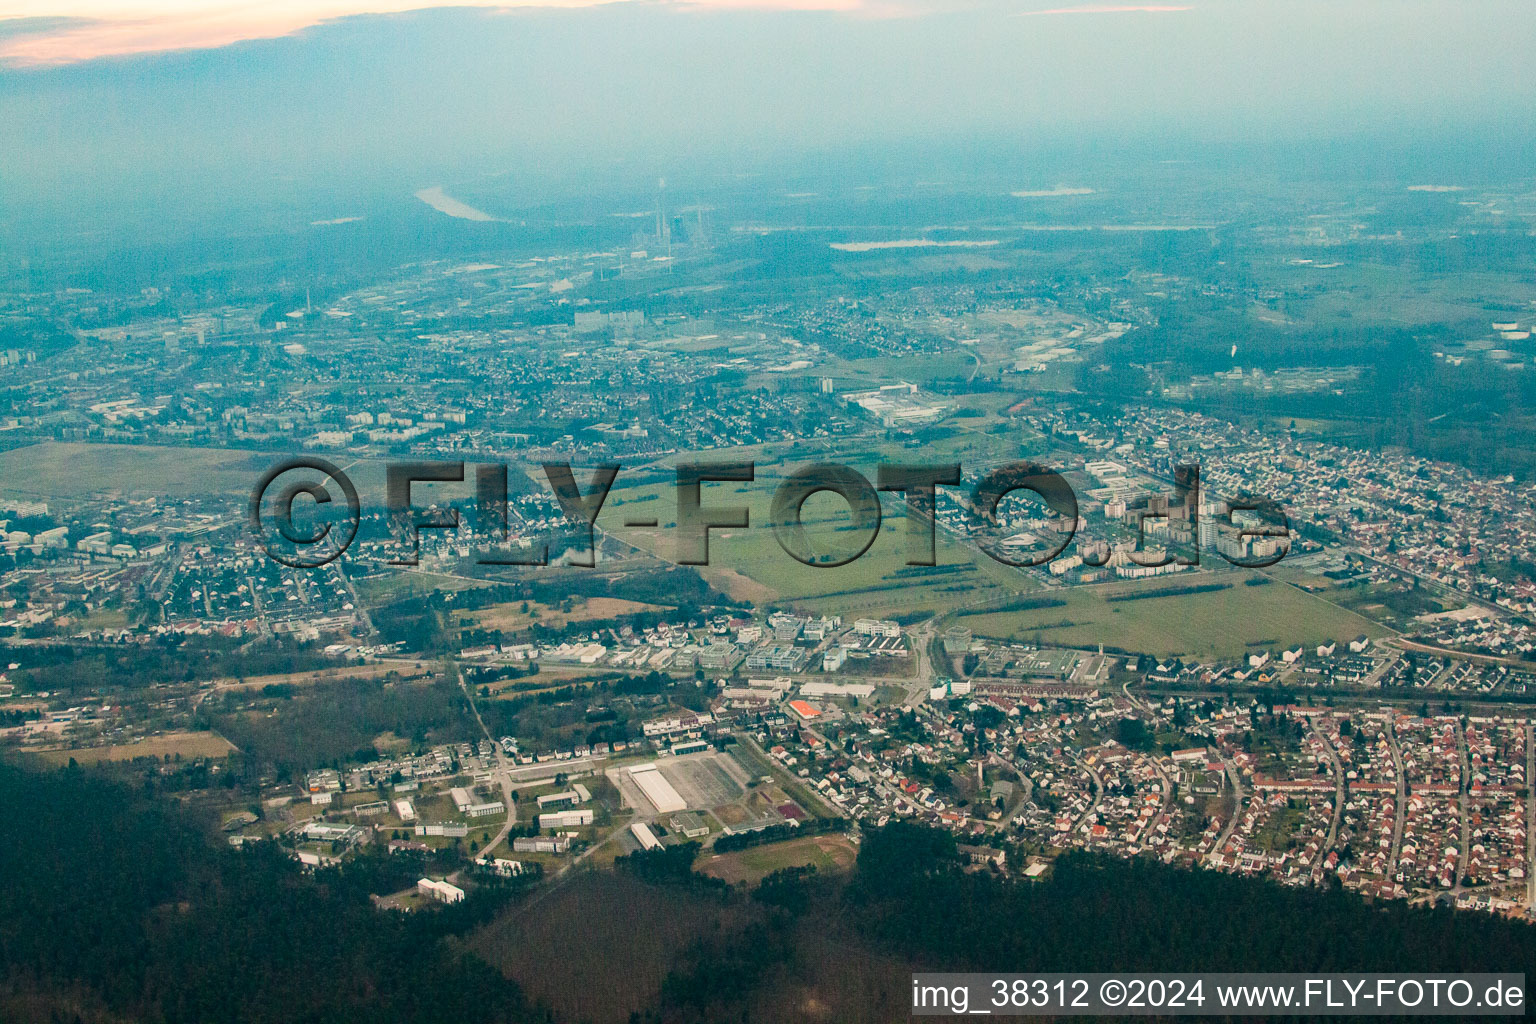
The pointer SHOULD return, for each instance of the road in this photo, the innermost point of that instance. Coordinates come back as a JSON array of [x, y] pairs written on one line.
[[264, 625], [359, 608], [796, 785], [922, 682], [1125, 687], [1402, 798], [1338, 801], [1530, 816], [504, 779], [1381, 669], [1098, 793], [1464, 848], [503, 773], [1450, 652], [1238, 798]]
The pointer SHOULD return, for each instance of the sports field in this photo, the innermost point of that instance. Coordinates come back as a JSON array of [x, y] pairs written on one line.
[[826, 853]]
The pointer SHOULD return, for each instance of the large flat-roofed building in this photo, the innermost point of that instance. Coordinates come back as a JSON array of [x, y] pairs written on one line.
[[804, 711], [541, 844], [897, 405], [577, 794], [657, 789], [566, 819], [720, 657], [486, 810], [644, 836], [326, 832], [820, 689], [690, 825], [778, 658], [442, 892]]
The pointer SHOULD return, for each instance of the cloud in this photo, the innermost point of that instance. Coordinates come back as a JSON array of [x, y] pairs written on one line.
[[52, 32], [106, 28], [16, 28]]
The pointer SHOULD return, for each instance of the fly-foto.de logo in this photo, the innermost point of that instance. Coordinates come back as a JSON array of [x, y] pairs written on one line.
[[306, 512]]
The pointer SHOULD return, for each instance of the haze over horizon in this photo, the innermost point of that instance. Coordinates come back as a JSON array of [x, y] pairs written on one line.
[[564, 93]]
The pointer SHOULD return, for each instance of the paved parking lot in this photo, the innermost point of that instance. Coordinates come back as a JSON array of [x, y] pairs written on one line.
[[704, 780]]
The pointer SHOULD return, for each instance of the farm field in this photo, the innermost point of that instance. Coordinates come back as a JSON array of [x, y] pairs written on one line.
[[510, 617], [1223, 623], [74, 469], [749, 564], [397, 584], [186, 744], [603, 926], [877, 583], [406, 669]]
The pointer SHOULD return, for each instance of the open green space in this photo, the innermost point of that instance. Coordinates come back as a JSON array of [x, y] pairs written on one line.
[[1224, 623], [77, 469], [749, 563], [826, 853]]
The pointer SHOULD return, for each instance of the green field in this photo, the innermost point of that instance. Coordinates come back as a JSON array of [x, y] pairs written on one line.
[[748, 563], [68, 469], [826, 853], [1218, 624], [178, 744]]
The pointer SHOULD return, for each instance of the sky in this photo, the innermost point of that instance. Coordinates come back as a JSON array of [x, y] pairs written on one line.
[[142, 101], [64, 31], [45, 32]]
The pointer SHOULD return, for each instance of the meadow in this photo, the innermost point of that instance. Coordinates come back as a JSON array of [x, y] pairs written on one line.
[[601, 945], [826, 853], [74, 469], [172, 744], [749, 564], [1226, 623]]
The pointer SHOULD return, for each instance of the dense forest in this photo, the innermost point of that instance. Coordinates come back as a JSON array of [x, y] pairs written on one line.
[[118, 908], [1103, 914], [87, 668], [910, 905], [333, 721]]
